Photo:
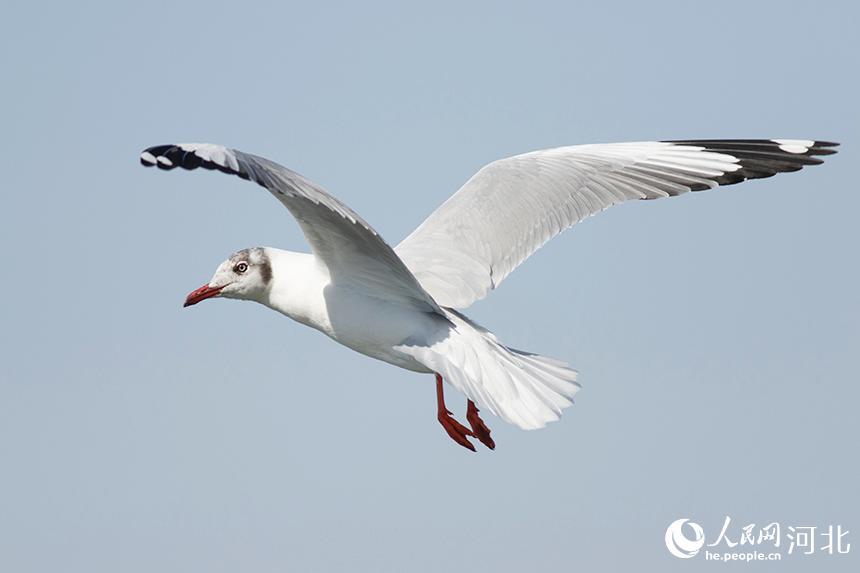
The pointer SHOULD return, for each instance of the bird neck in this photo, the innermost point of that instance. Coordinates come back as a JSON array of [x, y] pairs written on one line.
[[296, 288]]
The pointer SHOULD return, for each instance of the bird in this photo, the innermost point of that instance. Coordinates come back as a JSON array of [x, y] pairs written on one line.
[[404, 304]]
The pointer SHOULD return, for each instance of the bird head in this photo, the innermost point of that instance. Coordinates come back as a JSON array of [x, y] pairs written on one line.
[[245, 275]]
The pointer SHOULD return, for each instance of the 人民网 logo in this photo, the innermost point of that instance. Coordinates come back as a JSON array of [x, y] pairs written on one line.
[[677, 541]]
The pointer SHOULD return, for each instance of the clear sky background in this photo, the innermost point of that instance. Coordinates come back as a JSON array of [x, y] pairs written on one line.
[[716, 334]]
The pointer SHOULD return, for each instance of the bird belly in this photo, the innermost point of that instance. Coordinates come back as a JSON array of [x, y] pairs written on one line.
[[366, 324], [374, 327]]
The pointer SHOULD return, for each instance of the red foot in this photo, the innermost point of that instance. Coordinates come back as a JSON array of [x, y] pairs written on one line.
[[479, 428], [455, 429]]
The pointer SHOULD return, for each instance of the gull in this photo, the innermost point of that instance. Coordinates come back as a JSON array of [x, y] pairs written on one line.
[[402, 305]]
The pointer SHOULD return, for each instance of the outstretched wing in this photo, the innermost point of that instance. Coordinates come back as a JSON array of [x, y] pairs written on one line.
[[353, 252], [511, 207]]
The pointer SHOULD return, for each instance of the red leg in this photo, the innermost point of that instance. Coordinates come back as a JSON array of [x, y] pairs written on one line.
[[479, 428], [455, 429]]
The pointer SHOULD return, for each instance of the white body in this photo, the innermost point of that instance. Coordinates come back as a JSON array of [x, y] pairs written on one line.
[[301, 289], [522, 388]]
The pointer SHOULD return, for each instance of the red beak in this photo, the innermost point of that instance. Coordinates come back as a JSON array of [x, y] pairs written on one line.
[[202, 293]]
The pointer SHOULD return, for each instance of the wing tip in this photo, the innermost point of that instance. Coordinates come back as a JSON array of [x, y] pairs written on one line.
[[762, 158], [791, 147], [191, 156], [158, 156]]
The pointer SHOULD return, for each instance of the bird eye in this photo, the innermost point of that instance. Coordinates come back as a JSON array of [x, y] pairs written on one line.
[[241, 267]]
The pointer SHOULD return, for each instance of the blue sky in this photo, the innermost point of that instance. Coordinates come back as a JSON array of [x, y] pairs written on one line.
[[715, 334]]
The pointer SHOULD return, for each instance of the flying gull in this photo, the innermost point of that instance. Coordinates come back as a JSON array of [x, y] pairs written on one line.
[[402, 305]]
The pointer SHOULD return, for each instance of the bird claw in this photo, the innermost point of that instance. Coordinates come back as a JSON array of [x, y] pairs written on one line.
[[456, 430], [479, 428]]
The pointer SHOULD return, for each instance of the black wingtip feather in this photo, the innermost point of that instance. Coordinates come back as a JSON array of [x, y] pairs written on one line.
[[766, 145], [178, 157], [190, 160], [761, 158], [187, 159]]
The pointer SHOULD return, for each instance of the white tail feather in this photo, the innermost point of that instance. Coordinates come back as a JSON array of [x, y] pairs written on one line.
[[525, 389]]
